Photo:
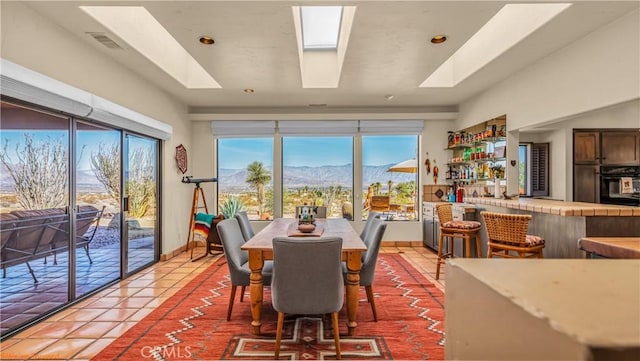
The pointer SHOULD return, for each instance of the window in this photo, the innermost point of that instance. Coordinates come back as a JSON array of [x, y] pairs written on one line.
[[245, 176], [318, 171], [320, 26], [390, 176], [533, 177]]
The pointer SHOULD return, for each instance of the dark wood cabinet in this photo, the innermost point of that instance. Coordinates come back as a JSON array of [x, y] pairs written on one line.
[[613, 147], [620, 148], [586, 147], [586, 183], [595, 147]]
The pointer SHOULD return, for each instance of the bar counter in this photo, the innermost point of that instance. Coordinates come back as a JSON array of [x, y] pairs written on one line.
[[562, 224]]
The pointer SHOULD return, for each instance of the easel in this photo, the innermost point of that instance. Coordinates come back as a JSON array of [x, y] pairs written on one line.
[[197, 192]]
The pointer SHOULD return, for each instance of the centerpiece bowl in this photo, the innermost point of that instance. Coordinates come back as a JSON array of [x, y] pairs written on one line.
[[306, 227]]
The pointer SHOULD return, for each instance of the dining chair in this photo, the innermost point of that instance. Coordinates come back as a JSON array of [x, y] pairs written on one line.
[[373, 240], [238, 260], [367, 226], [451, 229], [307, 279], [245, 225], [508, 233]]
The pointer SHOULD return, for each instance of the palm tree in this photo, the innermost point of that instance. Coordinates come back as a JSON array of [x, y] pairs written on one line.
[[258, 176]]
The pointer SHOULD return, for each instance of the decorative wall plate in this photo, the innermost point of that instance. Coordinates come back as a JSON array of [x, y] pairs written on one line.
[[181, 158]]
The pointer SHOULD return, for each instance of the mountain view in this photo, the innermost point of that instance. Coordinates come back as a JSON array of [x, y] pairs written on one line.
[[294, 177]]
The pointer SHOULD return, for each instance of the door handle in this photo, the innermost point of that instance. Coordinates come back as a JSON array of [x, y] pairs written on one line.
[[125, 205]]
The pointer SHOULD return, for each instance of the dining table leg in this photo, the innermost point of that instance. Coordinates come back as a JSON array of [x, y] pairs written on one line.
[[256, 262], [354, 264]]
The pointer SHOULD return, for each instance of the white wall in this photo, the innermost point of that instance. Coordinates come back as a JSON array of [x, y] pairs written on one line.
[[625, 115], [62, 56], [599, 71]]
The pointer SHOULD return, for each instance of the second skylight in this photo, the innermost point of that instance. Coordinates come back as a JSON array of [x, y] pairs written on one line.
[[320, 27]]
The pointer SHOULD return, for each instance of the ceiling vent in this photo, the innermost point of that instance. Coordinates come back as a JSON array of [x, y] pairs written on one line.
[[103, 39]]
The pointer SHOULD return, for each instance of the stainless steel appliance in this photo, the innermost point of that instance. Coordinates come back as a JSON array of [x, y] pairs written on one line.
[[611, 188]]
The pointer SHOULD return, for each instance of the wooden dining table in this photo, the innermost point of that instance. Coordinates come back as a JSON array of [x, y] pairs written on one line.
[[260, 249]]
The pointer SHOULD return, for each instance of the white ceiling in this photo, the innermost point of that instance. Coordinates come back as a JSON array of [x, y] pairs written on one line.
[[389, 50]]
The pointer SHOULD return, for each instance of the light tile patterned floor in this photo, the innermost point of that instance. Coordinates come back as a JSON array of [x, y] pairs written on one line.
[[83, 330]]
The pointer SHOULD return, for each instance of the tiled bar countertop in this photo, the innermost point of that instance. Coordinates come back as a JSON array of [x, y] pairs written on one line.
[[559, 207], [562, 224]]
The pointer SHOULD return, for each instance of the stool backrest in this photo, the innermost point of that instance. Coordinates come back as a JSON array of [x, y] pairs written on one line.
[[445, 213], [506, 228]]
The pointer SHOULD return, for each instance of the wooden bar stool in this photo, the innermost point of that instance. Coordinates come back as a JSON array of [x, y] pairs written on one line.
[[455, 229], [508, 233]]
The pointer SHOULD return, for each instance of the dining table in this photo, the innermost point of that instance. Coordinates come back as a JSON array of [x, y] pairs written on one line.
[[260, 249]]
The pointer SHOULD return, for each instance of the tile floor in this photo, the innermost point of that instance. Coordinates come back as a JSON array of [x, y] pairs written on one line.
[[22, 300], [83, 330]]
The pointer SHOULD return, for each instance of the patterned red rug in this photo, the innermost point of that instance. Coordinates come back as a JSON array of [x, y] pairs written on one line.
[[192, 324]]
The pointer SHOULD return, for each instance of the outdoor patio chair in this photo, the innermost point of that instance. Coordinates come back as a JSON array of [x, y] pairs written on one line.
[[86, 216], [380, 204]]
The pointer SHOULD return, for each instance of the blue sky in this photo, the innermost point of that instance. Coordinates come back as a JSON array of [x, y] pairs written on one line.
[[237, 153], [316, 151], [89, 141]]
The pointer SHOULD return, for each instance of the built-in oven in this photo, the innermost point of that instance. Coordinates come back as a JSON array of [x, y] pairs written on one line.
[[620, 185]]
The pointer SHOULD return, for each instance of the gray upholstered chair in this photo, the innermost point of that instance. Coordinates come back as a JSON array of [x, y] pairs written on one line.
[[367, 226], [245, 225], [238, 260], [307, 279], [370, 258]]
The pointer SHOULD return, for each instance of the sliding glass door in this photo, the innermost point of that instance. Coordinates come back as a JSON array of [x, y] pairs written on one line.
[[97, 211], [141, 201], [67, 188]]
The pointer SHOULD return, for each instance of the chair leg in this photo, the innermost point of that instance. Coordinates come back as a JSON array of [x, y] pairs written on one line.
[[35, 280], [232, 298], [242, 293], [467, 246], [86, 250], [336, 334], [439, 255], [279, 333], [478, 246], [372, 302]]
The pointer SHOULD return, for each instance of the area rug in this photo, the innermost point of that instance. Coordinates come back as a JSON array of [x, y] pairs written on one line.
[[192, 325]]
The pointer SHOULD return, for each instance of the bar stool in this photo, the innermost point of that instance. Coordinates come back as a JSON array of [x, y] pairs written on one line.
[[508, 233], [455, 229]]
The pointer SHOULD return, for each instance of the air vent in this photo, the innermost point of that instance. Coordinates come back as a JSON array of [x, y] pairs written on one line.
[[103, 39], [321, 105]]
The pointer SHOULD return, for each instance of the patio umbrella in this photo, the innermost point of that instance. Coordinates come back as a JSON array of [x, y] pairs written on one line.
[[407, 166]]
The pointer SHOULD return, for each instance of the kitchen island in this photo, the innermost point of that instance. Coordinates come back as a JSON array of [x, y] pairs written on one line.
[[562, 224]]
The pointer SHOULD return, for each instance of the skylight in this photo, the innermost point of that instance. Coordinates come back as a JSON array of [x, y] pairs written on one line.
[[506, 28], [320, 27], [322, 69], [136, 26]]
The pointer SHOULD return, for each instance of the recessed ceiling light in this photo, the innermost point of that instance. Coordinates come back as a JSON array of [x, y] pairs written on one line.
[[248, 90], [207, 40], [438, 39], [389, 96]]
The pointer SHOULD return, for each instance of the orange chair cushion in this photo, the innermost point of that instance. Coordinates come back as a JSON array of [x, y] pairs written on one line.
[[534, 240], [462, 224]]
